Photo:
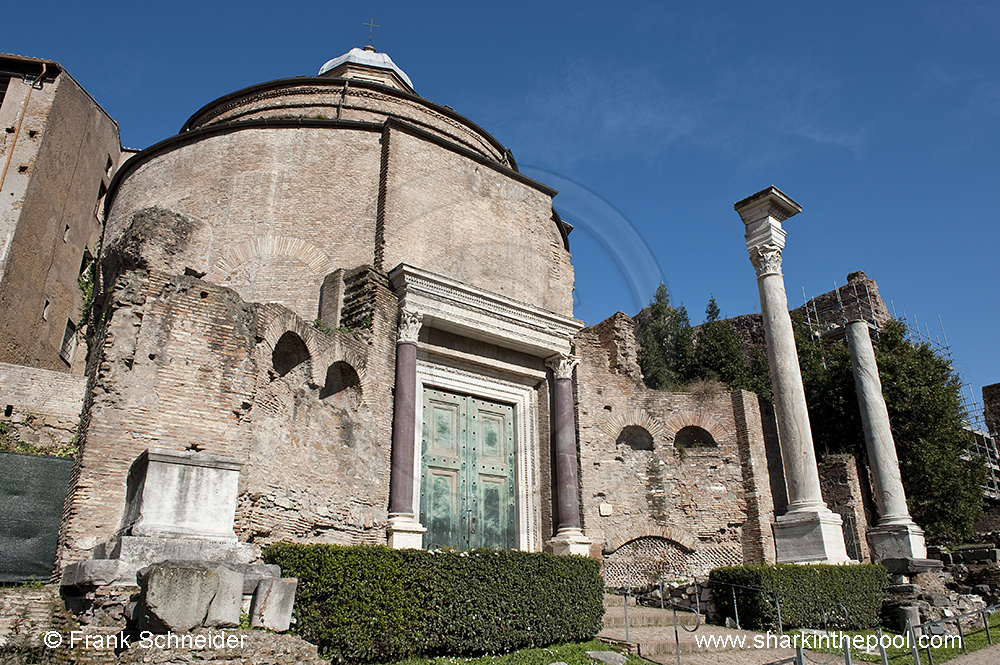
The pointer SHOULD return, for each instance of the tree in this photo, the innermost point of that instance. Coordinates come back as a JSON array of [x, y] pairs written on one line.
[[717, 353], [712, 312], [665, 342], [942, 474]]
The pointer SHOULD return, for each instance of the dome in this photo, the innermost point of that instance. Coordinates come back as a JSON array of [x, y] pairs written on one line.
[[348, 65]]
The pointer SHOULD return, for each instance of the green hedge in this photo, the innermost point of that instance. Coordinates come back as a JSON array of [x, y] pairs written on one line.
[[364, 604], [804, 592]]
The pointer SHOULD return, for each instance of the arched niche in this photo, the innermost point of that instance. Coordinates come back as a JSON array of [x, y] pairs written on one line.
[[693, 437], [635, 437], [342, 383], [289, 353]]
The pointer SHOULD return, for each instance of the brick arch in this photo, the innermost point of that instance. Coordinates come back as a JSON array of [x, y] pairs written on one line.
[[338, 352], [683, 419], [296, 248], [683, 539], [637, 417], [288, 321]]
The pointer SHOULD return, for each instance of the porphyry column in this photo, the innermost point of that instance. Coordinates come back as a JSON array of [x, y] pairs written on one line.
[[808, 532], [404, 531], [895, 536], [569, 538]]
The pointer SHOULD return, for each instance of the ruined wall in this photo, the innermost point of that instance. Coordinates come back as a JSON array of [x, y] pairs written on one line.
[[189, 365], [41, 407], [846, 488], [678, 510], [465, 220], [277, 209], [65, 144], [858, 298]]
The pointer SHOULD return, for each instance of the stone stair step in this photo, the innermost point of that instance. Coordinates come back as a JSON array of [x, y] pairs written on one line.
[[641, 616], [660, 640]]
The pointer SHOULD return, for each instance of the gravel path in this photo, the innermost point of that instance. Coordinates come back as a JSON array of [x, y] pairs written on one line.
[[987, 656]]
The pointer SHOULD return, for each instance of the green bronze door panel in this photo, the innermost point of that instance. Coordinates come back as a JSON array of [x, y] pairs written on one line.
[[467, 496], [443, 487], [491, 465]]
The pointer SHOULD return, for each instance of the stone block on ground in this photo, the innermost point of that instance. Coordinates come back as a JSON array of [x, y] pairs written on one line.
[[272, 603], [175, 596], [253, 573], [224, 611], [607, 657]]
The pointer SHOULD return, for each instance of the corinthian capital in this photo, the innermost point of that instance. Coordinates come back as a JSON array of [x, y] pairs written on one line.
[[409, 326], [562, 365], [766, 259]]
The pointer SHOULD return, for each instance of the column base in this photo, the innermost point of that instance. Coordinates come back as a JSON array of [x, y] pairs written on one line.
[[570, 541], [897, 541], [810, 536], [405, 533]]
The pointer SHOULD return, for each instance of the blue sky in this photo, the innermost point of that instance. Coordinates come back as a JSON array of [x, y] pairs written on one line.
[[882, 119]]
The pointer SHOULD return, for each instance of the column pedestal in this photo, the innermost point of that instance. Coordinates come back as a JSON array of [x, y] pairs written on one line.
[[810, 536], [405, 532], [570, 541], [897, 541]]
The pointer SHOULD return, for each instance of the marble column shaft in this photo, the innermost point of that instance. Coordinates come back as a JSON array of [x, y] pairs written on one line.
[[889, 494], [798, 454]]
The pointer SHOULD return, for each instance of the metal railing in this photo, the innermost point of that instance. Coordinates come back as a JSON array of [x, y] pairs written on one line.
[[824, 605], [932, 627], [627, 593]]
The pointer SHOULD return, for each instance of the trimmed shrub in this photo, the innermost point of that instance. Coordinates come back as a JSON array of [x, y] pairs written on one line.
[[804, 593], [375, 604]]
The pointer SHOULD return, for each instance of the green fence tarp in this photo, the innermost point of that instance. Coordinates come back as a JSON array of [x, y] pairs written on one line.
[[32, 492]]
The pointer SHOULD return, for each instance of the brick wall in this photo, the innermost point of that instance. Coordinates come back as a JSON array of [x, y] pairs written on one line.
[[691, 509], [44, 406], [358, 101], [275, 210], [185, 364], [846, 488], [472, 223]]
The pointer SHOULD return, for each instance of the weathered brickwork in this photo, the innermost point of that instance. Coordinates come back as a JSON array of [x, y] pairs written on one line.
[[41, 406], [189, 365], [859, 298], [846, 494], [57, 139], [322, 98], [695, 506], [273, 211], [473, 224], [825, 313]]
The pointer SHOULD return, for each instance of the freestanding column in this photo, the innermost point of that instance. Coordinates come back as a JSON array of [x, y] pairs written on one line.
[[404, 531], [895, 536], [809, 532], [569, 538]]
